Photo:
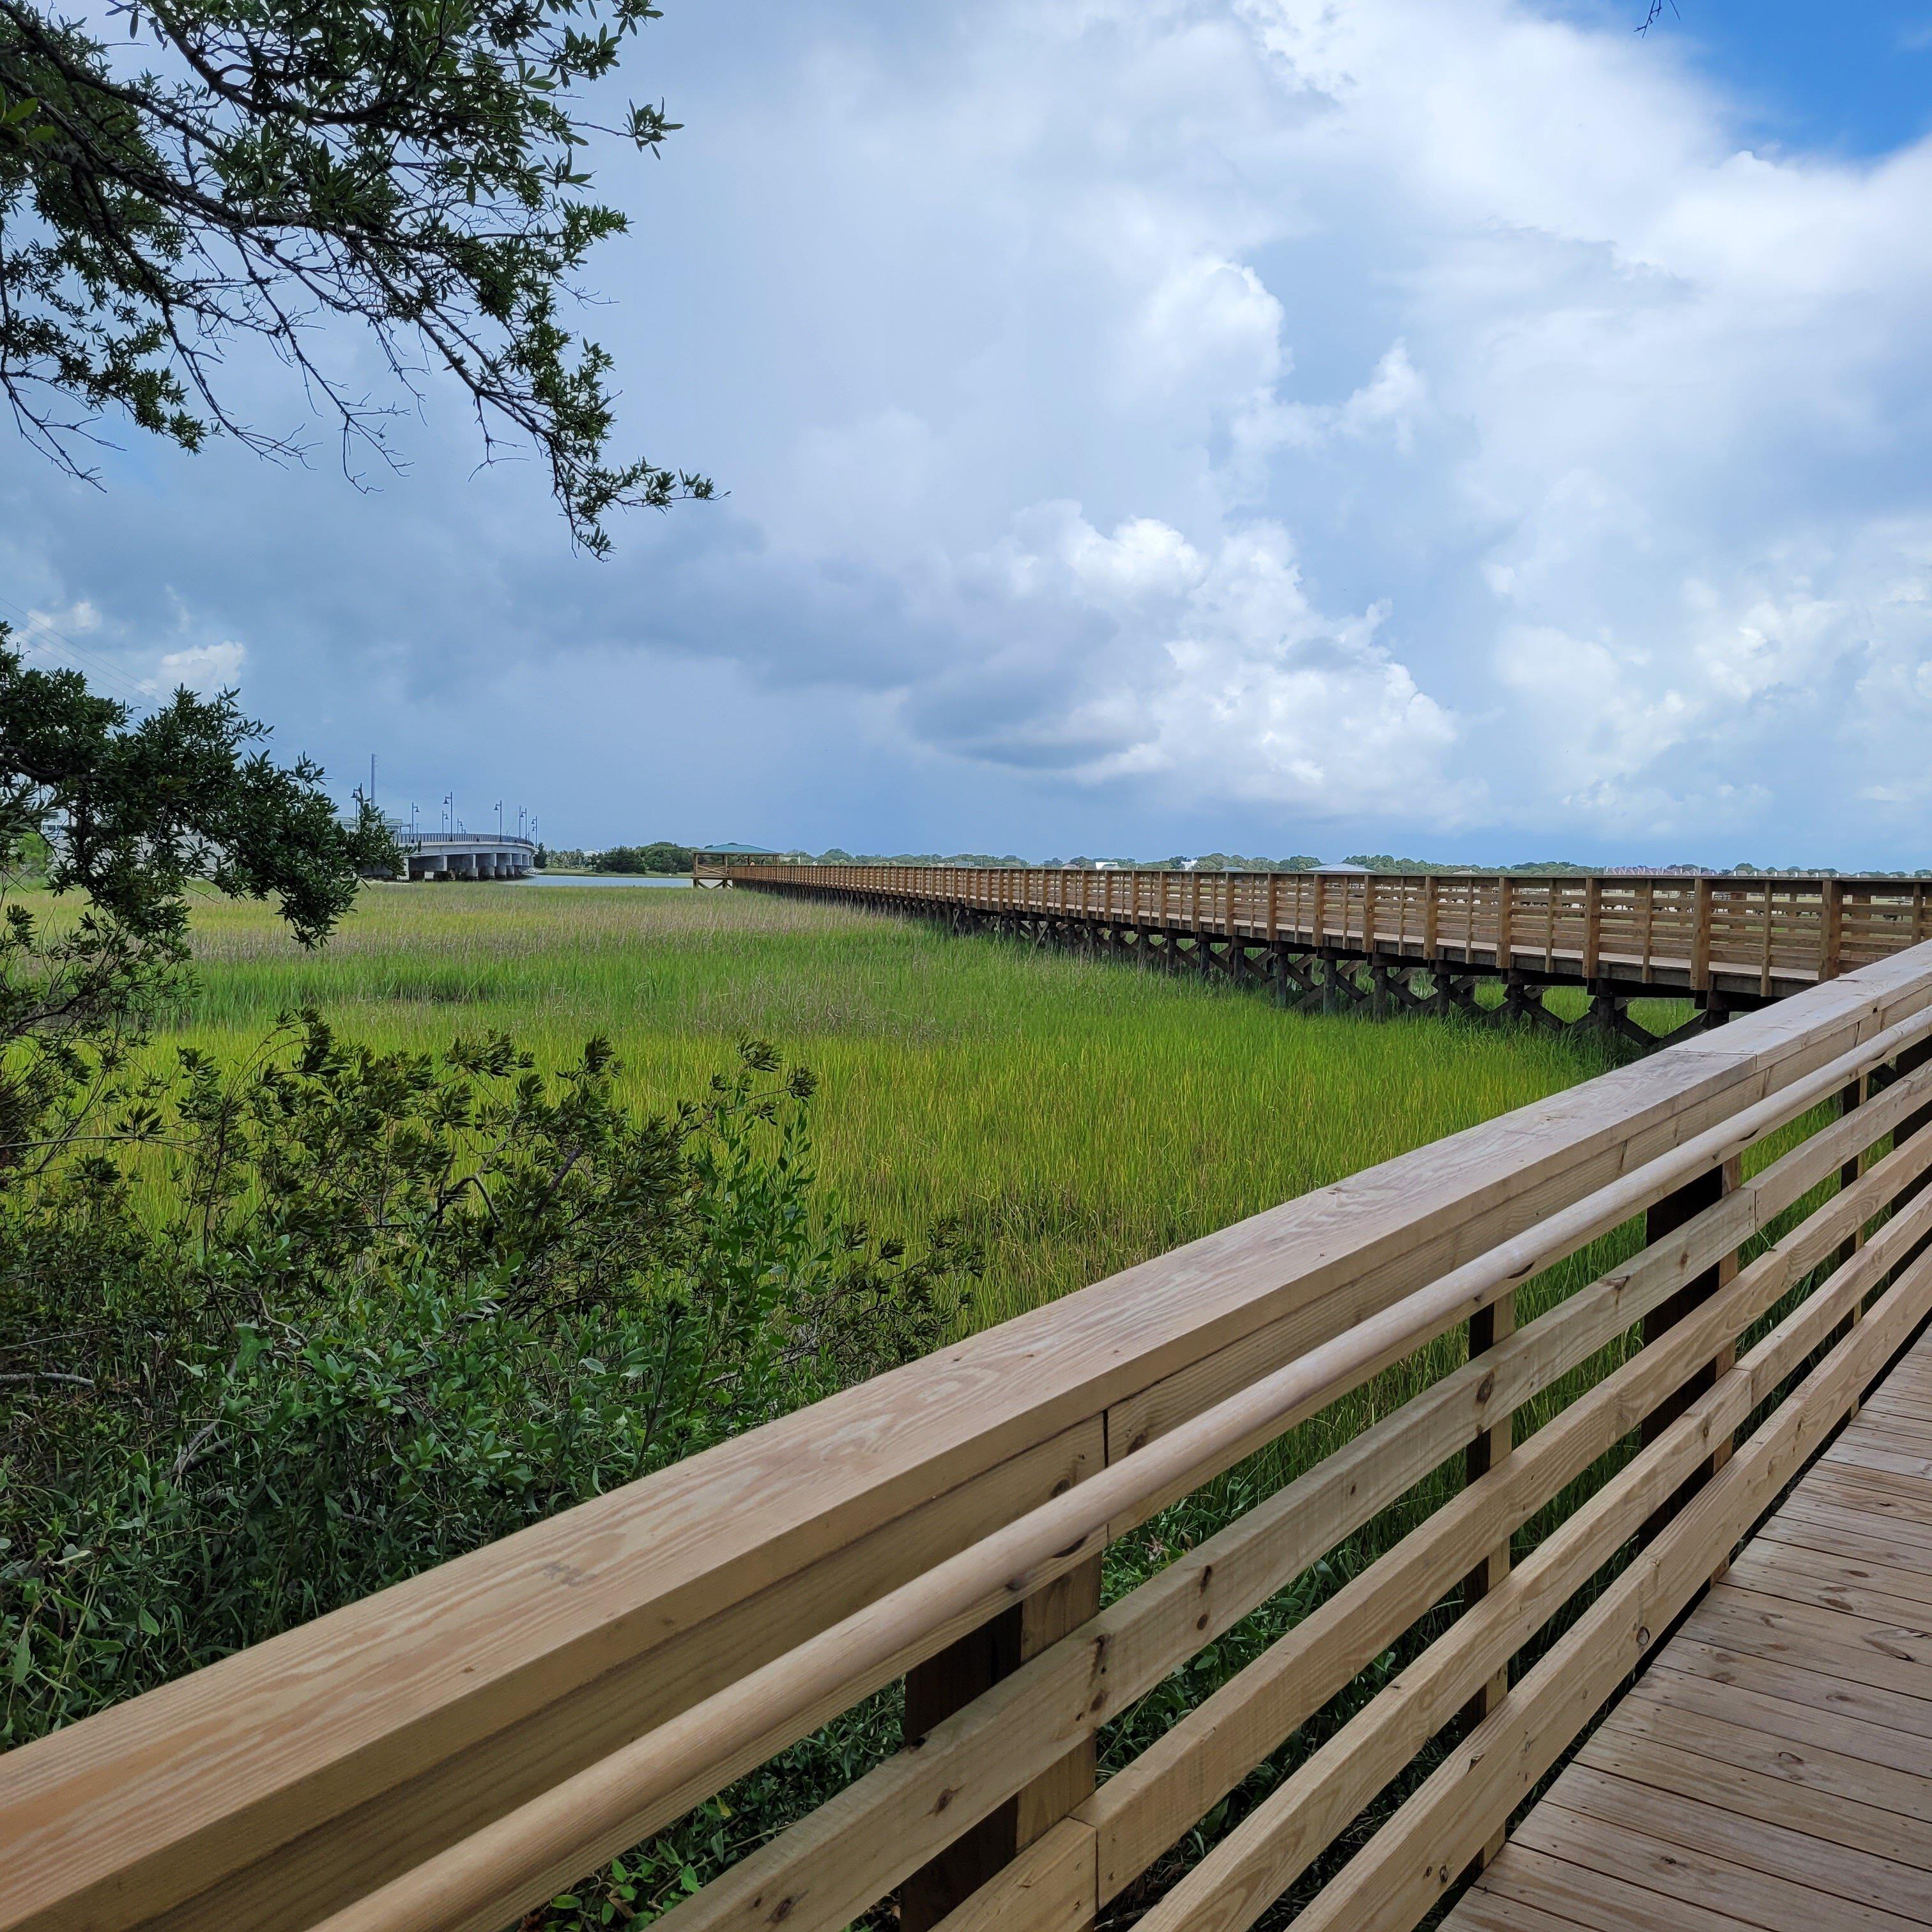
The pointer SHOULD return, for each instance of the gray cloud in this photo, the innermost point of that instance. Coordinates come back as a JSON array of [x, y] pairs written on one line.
[[1252, 424]]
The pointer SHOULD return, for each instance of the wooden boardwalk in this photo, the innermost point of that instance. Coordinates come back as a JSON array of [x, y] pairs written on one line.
[[1413, 940], [1773, 1766], [448, 1754]]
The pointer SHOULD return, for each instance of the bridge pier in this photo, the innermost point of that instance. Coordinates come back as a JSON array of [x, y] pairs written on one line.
[[463, 855]]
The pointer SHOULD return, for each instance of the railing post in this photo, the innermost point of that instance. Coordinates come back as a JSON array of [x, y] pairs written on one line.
[[1918, 1122], [1664, 1219], [1593, 928], [1505, 924], [1853, 1097], [953, 1677], [1487, 1326], [1431, 915], [1828, 965], [1700, 936]]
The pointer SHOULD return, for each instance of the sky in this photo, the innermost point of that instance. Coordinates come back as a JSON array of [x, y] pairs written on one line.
[[1466, 429]]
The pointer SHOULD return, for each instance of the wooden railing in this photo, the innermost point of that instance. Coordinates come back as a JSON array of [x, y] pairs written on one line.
[[457, 1748], [1757, 935]]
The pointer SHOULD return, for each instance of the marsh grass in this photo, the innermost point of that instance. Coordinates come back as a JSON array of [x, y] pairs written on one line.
[[1078, 1115]]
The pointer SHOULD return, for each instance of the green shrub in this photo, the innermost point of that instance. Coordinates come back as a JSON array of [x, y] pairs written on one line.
[[398, 1305], [661, 856]]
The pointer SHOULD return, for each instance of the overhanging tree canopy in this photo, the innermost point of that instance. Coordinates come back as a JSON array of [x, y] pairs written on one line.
[[414, 166]]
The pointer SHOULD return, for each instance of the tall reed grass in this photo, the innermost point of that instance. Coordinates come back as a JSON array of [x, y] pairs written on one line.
[[1077, 1115]]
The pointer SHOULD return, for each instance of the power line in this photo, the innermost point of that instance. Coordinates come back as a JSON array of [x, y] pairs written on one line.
[[44, 634]]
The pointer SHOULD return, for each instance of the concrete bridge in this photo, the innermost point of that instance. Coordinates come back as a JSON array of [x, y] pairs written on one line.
[[466, 855]]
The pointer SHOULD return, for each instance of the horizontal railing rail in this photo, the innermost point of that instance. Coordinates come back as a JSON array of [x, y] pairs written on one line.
[[487, 841], [453, 1751], [1753, 934]]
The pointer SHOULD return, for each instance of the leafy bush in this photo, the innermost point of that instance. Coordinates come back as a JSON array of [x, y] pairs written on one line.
[[661, 856], [395, 1306]]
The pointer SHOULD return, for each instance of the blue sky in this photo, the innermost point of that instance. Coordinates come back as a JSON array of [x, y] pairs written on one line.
[[1452, 426], [1855, 78]]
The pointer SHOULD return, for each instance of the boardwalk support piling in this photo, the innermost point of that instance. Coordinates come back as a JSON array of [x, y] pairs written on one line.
[[1726, 945]]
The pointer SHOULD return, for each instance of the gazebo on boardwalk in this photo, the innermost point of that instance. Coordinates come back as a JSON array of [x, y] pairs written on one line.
[[710, 864]]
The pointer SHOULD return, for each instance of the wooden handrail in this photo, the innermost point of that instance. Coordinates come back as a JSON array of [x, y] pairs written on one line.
[[1753, 937], [428, 1750], [519, 1860]]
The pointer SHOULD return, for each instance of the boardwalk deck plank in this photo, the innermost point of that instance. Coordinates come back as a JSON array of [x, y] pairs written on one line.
[[1869, 1487], [1775, 1849], [1699, 1878], [1861, 1650], [1685, 1771], [1596, 1901], [1773, 1766], [1868, 1513], [1856, 1540], [1802, 1684]]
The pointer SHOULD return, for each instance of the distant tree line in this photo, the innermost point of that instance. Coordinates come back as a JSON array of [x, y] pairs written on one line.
[[1373, 862], [663, 855]]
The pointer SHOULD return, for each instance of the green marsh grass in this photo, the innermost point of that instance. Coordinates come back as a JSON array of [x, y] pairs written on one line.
[[1079, 1116]]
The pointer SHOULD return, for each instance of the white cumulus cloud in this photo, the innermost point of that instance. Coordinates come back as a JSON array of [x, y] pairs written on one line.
[[1462, 424], [200, 667], [1427, 414]]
